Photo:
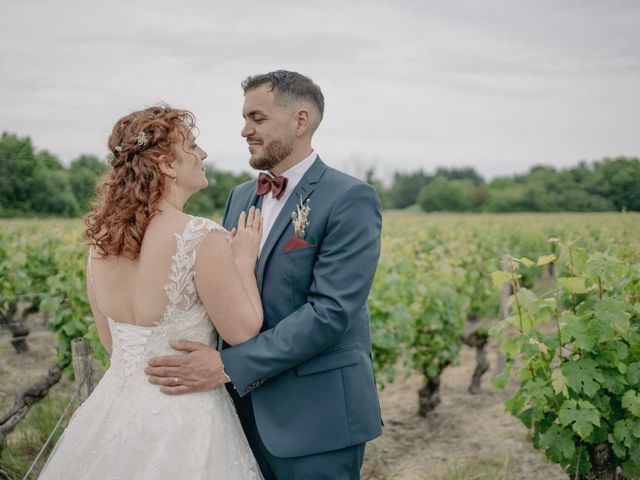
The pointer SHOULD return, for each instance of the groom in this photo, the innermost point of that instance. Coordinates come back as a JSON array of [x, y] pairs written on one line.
[[304, 387]]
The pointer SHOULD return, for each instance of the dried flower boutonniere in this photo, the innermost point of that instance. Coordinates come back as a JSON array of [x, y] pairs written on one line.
[[300, 218]]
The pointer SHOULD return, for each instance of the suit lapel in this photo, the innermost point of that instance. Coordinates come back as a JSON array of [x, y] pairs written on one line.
[[302, 191]]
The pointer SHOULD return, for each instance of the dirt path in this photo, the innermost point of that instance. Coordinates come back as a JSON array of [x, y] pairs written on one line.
[[18, 371], [464, 430]]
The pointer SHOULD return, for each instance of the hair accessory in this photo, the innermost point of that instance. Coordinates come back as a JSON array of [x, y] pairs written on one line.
[[142, 139], [111, 156]]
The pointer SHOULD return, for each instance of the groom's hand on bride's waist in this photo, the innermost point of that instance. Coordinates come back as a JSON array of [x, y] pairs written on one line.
[[199, 370]]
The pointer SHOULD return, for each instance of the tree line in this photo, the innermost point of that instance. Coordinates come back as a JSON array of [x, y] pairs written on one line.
[[610, 184], [36, 183]]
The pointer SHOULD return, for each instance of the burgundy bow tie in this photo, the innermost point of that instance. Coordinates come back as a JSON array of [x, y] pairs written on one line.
[[275, 185]]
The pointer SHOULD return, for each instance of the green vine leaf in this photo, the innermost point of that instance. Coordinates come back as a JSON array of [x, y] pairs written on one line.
[[558, 443], [559, 383], [573, 284], [526, 262], [581, 415], [499, 278], [546, 259], [631, 402], [583, 376]]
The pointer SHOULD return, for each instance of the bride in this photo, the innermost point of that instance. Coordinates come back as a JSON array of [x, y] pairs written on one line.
[[155, 275]]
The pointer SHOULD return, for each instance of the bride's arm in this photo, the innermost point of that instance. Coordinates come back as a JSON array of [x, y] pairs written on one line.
[[226, 283], [102, 324]]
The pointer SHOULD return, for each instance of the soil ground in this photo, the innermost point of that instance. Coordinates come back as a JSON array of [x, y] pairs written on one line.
[[464, 433]]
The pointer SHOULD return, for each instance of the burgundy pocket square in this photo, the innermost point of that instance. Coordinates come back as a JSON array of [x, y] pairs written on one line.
[[295, 243]]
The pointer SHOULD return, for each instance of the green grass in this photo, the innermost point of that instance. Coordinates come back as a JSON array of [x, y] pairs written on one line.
[[481, 468], [22, 445]]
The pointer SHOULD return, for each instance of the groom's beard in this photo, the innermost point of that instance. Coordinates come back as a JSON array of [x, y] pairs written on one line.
[[274, 153]]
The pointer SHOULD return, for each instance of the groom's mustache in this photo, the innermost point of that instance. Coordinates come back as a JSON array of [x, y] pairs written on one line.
[[253, 140]]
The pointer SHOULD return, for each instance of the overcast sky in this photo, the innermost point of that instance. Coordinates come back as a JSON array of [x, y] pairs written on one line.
[[497, 85]]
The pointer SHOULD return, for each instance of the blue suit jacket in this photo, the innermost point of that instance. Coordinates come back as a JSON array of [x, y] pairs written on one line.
[[309, 371]]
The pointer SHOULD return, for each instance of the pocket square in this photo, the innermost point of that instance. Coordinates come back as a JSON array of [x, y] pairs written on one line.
[[295, 243]]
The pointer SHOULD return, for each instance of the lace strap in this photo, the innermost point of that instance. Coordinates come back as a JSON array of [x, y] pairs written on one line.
[[181, 289]]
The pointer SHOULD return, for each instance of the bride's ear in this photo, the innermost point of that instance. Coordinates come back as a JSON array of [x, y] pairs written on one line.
[[166, 166]]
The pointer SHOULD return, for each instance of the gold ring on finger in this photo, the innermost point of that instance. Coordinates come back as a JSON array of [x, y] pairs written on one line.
[[176, 380]]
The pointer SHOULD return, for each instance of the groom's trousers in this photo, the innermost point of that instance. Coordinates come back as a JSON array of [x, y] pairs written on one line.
[[343, 464]]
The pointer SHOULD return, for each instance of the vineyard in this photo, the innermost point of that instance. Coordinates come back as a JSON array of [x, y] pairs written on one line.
[[554, 299]]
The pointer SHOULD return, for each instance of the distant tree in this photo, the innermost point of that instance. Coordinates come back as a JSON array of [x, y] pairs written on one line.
[[575, 200], [47, 161], [579, 173], [479, 196], [506, 196], [617, 180], [84, 173], [406, 187], [52, 194], [383, 193], [17, 167], [214, 197], [465, 173], [442, 195]]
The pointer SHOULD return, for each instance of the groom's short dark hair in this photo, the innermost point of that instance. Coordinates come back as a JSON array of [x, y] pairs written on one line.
[[288, 85]]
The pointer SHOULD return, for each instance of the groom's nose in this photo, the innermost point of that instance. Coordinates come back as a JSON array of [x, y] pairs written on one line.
[[247, 131]]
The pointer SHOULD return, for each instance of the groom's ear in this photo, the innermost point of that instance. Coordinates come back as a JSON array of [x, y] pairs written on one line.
[[302, 117]]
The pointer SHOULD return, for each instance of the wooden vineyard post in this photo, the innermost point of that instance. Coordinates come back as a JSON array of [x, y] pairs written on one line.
[[81, 358], [504, 310]]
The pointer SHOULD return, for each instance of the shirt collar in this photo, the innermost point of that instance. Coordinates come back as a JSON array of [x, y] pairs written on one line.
[[295, 173]]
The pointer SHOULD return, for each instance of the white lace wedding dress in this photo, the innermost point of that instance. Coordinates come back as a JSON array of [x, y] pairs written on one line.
[[127, 429]]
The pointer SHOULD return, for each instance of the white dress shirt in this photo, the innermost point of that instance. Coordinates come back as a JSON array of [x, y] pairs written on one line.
[[271, 207]]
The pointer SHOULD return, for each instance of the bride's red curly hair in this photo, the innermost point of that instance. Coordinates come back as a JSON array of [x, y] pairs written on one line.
[[128, 195]]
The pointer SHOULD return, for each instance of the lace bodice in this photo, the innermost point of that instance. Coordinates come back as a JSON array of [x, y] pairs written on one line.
[[184, 316]]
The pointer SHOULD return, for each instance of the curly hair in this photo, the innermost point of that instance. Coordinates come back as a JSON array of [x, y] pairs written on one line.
[[128, 195]]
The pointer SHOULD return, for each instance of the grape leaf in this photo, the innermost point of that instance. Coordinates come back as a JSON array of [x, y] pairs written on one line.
[[575, 328], [581, 415], [573, 284], [546, 259], [526, 262], [631, 402], [623, 432], [558, 442], [500, 278], [583, 376], [633, 373], [559, 383]]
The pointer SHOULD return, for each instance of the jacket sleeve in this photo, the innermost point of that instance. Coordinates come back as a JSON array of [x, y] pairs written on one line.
[[342, 276]]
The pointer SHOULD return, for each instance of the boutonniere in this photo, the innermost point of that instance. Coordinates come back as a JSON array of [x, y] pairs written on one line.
[[300, 220]]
